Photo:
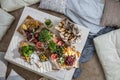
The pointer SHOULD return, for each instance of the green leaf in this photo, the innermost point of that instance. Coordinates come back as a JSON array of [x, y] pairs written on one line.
[[59, 50], [45, 35], [27, 50], [48, 22], [52, 46]]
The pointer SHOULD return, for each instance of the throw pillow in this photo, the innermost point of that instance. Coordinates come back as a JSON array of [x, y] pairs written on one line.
[[54, 5], [108, 51], [11, 5]]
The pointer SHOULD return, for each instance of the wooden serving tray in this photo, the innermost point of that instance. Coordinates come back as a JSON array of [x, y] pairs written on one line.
[[13, 56]]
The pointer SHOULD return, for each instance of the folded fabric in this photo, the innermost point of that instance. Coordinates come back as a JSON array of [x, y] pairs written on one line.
[[3, 66], [89, 49], [54, 5], [108, 50], [86, 12], [14, 76], [11, 5], [111, 14], [5, 22]]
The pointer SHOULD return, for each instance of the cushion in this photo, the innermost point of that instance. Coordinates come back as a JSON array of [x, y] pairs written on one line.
[[54, 5], [5, 22], [11, 5], [111, 14], [3, 66], [108, 50]]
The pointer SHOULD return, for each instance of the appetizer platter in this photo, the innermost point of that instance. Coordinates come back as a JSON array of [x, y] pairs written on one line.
[[40, 44], [47, 45]]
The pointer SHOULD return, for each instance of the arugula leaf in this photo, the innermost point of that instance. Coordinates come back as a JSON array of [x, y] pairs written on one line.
[[52, 46], [59, 50], [45, 35]]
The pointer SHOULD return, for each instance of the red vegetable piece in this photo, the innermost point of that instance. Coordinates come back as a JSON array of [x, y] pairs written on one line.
[[35, 41], [60, 43], [36, 35], [56, 39], [54, 56], [39, 44]]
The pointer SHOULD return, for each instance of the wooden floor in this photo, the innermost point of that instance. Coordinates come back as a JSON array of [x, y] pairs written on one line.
[[92, 69]]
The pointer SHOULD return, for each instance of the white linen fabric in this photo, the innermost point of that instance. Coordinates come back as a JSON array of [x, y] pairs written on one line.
[[5, 22], [86, 12], [11, 5], [54, 5], [108, 50]]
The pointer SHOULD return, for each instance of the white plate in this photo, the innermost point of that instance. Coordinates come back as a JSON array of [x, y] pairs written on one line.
[[13, 56]]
